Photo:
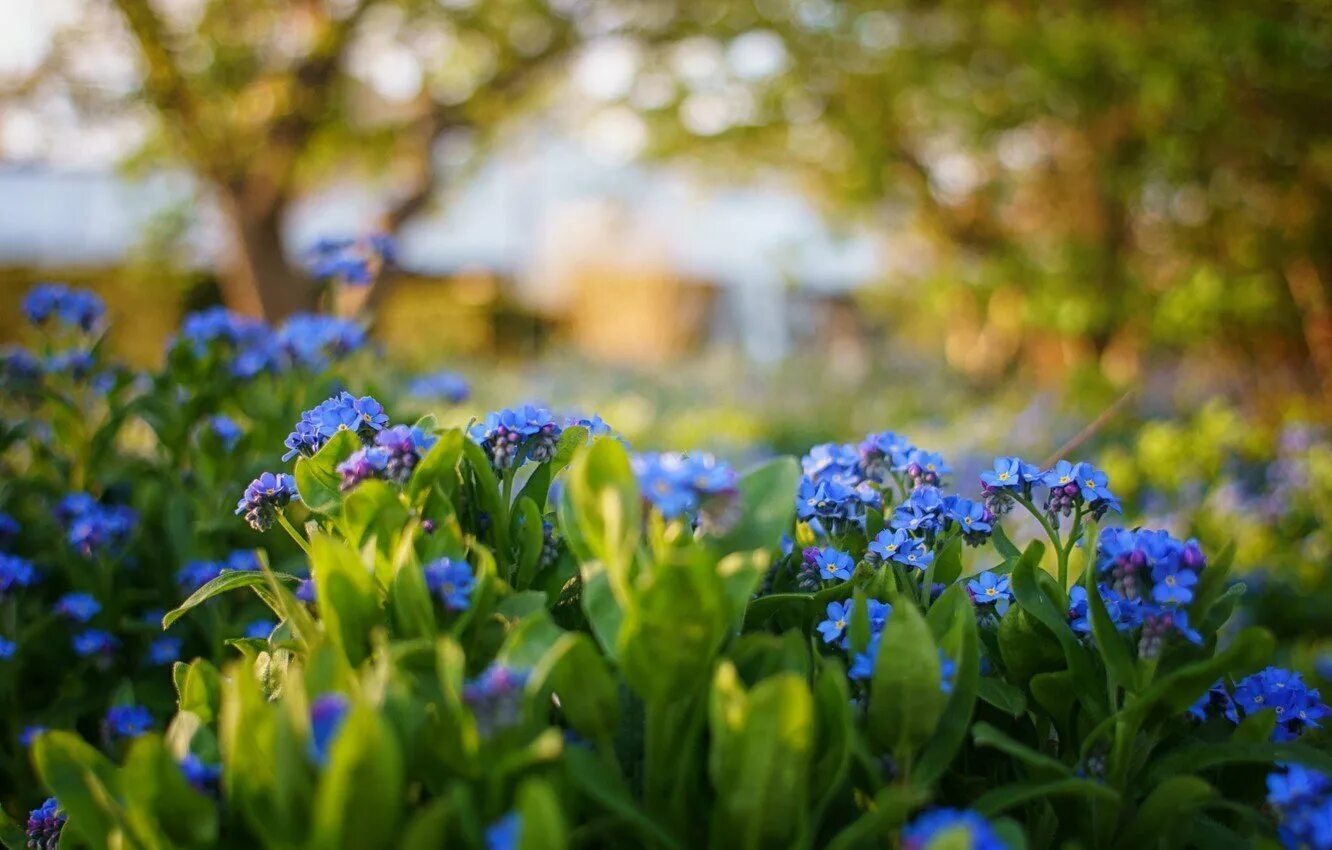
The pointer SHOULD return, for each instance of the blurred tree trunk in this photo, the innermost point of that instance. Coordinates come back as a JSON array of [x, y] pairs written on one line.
[[257, 277]]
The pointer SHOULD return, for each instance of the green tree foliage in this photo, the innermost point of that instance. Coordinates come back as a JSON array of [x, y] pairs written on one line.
[[1121, 176]]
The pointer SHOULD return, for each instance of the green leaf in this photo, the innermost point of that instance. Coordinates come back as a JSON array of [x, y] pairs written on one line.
[[834, 732], [759, 611], [1113, 648], [373, 509], [962, 644], [228, 581], [360, 796], [906, 696], [607, 508], [410, 603], [200, 690], [1055, 692], [986, 735], [759, 759], [439, 467], [317, 478], [1027, 647], [345, 591], [427, 424], [1212, 584], [588, 692], [603, 611], [12, 836], [1015, 794], [488, 495], [948, 564], [1003, 696], [663, 654], [603, 786], [84, 782], [161, 803], [891, 807], [1174, 693], [542, 825], [1032, 597], [741, 574], [531, 540], [530, 640], [767, 501], [1193, 758], [1168, 811], [1003, 545]]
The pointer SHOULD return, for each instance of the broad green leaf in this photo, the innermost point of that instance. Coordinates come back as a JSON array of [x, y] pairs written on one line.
[[906, 696], [741, 574], [1057, 693], [360, 796], [601, 608], [85, 783], [1003, 545], [345, 591], [759, 611], [948, 563], [767, 501], [530, 640], [760, 757], [607, 508], [587, 690], [160, 803], [673, 630], [317, 478], [439, 467], [200, 690], [541, 819], [1212, 583], [373, 509], [1026, 646], [1003, 696], [1168, 812], [410, 603], [228, 581]]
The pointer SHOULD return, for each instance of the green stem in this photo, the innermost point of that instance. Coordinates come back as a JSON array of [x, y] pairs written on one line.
[[295, 535], [1051, 531], [1073, 535]]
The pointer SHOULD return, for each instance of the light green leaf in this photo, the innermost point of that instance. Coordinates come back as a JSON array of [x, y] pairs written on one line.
[[906, 696], [317, 478]]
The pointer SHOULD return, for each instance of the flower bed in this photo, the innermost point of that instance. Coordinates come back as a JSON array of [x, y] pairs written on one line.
[[524, 634]]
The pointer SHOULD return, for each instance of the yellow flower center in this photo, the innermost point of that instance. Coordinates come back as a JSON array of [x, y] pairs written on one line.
[[1003, 476], [990, 591]]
